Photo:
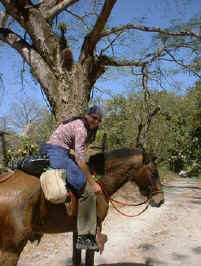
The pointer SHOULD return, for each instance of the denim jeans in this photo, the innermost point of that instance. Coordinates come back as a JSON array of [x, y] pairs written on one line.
[[60, 159]]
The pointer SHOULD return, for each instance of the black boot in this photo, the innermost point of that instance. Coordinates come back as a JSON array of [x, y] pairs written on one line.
[[86, 242]]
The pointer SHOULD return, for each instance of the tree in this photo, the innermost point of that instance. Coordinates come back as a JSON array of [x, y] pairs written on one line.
[[66, 81], [23, 113]]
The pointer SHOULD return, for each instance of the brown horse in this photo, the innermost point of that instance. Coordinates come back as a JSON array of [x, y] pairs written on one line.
[[24, 211]]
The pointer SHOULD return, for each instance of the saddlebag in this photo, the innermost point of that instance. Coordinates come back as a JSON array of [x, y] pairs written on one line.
[[53, 183]]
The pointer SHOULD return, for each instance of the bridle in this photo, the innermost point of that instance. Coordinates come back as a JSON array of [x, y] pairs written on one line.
[[113, 201], [152, 188]]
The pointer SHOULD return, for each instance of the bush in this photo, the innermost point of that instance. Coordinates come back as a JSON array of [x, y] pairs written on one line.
[[25, 148]]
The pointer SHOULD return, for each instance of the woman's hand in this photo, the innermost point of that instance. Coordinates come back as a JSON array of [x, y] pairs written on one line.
[[96, 188]]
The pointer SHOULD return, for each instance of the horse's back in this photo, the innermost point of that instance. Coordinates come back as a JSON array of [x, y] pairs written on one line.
[[14, 184], [17, 189]]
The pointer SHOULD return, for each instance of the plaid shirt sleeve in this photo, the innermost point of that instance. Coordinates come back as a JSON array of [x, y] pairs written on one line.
[[80, 141]]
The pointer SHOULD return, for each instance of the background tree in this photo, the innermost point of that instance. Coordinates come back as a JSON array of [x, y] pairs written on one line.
[[26, 126], [23, 113], [67, 78]]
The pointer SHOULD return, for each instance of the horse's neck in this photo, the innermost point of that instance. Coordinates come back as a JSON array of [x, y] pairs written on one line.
[[117, 166], [113, 181]]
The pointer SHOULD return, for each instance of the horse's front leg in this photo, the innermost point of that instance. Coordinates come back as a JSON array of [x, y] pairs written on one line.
[[76, 252], [9, 256], [89, 257]]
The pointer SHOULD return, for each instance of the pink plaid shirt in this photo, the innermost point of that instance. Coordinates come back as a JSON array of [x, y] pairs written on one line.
[[71, 136]]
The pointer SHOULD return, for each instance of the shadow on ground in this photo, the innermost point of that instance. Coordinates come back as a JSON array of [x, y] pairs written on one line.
[[149, 261], [182, 187], [125, 264]]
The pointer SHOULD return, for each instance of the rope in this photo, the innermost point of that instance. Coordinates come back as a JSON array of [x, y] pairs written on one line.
[[128, 215], [128, 204], [125, 204]]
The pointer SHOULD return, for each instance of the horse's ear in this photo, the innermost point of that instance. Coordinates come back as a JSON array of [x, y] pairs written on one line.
[[154, 158], [139, 147], [150, 157], [96, 163]]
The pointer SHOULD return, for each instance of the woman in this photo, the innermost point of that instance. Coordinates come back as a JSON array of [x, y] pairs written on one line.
[[76, 134]]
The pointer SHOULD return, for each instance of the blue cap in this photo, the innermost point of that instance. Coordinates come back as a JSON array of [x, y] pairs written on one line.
[[95, 109]]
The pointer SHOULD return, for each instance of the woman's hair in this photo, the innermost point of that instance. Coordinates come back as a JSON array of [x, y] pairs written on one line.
[[95, 109], [91, 133]]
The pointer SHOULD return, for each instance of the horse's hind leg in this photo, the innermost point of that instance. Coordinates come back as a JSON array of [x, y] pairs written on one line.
[[76, 252], [9, 256]]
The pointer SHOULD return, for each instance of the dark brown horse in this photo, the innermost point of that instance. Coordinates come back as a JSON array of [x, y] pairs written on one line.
[[24, 211]]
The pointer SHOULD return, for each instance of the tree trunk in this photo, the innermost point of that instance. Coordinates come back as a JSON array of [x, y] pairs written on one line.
[[4, 150], [72, 93]]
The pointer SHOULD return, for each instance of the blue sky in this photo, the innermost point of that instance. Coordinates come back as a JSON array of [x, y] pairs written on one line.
[[155, 13]]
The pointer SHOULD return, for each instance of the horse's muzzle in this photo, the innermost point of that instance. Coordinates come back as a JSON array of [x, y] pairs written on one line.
[[153, 203]]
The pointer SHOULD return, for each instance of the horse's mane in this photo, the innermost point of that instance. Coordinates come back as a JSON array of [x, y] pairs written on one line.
[[97, 161]]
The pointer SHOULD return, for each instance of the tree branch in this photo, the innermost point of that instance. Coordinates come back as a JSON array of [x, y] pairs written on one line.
[[94, 36], [182, 65], [82, 18], [148, 29], [96, 71], [30, 55], [109, 61], [31, 19], [52, 8], [110, 43], [143, 127], [145, 88], [145, 60], [3, 19]]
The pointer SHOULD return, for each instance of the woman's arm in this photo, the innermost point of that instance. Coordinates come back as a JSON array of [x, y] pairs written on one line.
[[95, 186]]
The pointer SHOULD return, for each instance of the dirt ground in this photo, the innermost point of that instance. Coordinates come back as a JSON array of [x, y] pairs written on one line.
[[169, 235]]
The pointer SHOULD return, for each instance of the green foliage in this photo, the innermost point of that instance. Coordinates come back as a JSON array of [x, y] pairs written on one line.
[[20, 146], [24, 148], [41, 131], [175, 132], [185, 151], [116, 123]]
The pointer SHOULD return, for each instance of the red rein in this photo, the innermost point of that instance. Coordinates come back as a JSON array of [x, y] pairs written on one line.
[[113, 201]]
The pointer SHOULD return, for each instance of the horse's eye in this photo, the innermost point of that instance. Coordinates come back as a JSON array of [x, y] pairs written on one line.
[[154, 175], [145, 191]]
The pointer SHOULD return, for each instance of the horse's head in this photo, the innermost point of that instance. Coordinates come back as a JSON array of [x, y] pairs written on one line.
[[148, 180]]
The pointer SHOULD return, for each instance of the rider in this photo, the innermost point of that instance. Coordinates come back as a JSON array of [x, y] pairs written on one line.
[[76, 134]]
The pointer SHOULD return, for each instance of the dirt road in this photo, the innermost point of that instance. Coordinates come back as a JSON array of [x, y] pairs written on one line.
[[168, 236]]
